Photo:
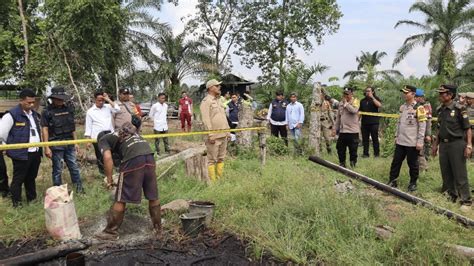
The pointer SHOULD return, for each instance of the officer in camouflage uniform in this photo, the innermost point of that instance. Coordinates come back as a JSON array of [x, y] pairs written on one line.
[[58, 124], [470, 112], [327, 121], [455, 146], [425, 153], [410, 136]]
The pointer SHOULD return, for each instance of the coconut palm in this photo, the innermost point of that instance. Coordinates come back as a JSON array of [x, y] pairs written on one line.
[[443, 26], [366, 68]]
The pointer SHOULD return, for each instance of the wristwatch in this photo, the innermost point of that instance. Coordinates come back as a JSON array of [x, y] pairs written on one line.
[[469, 147]]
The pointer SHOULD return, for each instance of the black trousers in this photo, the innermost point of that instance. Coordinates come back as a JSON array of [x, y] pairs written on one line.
[[373, 132], [4, 189], [411, 154], [347, 140], [25, 172], [280, 131]]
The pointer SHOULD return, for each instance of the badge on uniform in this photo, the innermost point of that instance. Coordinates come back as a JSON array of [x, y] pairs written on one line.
[[19, 124], [453, 113]]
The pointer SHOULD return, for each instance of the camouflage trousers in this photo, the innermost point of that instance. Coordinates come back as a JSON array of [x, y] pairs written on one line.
[[424, 156]]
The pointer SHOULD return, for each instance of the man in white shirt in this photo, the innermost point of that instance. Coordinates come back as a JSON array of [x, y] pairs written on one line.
[[99, 121], [21, 125], [158, 113]]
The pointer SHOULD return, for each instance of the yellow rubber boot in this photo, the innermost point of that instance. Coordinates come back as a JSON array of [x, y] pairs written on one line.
[[220, 169], [211, 169]]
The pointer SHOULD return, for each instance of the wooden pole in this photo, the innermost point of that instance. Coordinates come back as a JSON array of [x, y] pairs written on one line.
[[262, 142], [315, 123]]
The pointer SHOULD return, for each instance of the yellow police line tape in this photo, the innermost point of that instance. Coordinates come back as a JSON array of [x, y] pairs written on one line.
[[395, 116], [151, 136]]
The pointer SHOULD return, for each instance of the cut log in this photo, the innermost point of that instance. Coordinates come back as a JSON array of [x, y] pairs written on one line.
[[181, 156], [196, 167], [314, 122], [462, 251], [45, 255]]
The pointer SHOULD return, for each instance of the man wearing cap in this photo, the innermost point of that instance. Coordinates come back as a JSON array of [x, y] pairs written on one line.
[[128, 110], [455, 146], [370, 124], [425, 153], [214, 118], [58, 124], [327, 121], [462, 98], [347, 125], [137, 174], [410, 135], [22, 125], [277, 117], [185, 111]]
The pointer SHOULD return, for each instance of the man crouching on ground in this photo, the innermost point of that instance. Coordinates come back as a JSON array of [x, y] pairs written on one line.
[[137, 172]]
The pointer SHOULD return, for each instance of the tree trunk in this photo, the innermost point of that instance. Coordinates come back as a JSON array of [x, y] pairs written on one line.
[[314, 123], [196, 167], [24, 31], [244, 138], [262, 142], [69, 71]]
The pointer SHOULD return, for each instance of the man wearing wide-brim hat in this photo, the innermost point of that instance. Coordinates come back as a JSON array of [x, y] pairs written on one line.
[[58, 124], [214, 118], [455, 146]]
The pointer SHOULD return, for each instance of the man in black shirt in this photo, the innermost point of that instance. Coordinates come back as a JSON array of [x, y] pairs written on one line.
[[137, 173], [370, 124]]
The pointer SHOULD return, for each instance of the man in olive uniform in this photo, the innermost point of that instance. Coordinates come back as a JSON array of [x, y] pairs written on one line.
[[410, 137], [327, 121], [455, 146], [58, 124], [425, 153], [470, 112], [348, 127], [214, 118]]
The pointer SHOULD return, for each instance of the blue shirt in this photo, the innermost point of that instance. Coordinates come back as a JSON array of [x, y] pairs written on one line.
[[294, 114]]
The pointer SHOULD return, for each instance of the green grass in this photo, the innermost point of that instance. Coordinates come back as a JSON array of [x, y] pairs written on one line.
[[290, 210]]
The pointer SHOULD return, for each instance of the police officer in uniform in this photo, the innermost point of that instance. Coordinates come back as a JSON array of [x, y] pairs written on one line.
[[277, 117], [455, 146], [327, 121], [410, 136], [214, 118], [58, 124], [348, 127]]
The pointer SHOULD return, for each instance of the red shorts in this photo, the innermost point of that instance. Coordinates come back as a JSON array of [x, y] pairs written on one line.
[[137, 174]]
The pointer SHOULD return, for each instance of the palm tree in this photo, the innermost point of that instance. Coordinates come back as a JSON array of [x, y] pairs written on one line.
[[180, 58], [366, 68], [443, 26]]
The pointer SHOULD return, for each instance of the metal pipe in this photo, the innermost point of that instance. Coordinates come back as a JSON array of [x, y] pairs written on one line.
[[381, 186]]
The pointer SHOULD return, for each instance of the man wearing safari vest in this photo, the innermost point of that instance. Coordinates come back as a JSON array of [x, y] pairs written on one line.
[[22, 125], [214, 118]]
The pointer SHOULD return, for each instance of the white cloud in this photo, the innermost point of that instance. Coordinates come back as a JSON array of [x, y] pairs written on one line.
[[174, 14]]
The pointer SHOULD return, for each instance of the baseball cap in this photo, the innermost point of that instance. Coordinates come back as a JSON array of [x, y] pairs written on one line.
[[420, 92], [470, 95], [124, 91], [408, 88], [348, 90], [212, 82]]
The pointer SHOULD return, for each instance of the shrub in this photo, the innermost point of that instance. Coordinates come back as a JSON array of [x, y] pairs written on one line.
[[276, 146]]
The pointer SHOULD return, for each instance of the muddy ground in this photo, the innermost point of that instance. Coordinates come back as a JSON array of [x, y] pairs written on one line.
[[137, 247]]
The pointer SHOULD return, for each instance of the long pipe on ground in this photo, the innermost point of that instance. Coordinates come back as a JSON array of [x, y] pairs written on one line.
[[408, 197]]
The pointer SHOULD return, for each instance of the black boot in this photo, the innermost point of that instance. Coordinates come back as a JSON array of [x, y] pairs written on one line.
[[353, 164], [412, 187], [114, 220], [393, 183]]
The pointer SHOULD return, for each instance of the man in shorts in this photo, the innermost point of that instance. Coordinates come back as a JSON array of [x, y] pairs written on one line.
[[137, 173]]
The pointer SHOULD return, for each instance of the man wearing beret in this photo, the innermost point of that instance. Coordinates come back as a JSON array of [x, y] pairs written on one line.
[[455, 146], [410, 137]]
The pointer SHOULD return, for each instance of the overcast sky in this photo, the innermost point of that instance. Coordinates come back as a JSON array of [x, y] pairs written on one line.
[[366, 25]]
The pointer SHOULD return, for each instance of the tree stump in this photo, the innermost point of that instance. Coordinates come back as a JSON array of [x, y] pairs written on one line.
[[315, 123], [196, 166], [244, 138]]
